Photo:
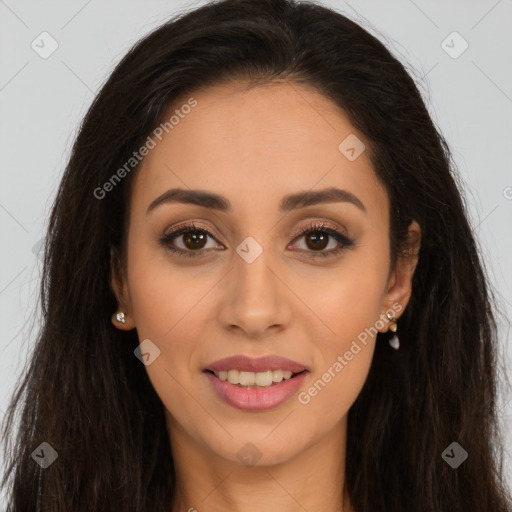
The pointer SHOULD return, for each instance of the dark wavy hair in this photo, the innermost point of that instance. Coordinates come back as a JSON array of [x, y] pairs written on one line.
[[86, 394]]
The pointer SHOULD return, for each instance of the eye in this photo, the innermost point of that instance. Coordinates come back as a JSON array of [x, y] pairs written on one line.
[[192, 237], [318, 237]]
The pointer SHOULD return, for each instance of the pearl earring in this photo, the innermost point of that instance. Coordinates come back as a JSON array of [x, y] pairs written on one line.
[[120, 317], [393, 342]]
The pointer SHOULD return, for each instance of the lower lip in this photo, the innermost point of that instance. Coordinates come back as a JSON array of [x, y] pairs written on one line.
[[256, 399]]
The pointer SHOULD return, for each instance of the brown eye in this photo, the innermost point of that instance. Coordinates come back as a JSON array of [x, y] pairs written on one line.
[[319, 237], [194, 240], [189, 240], [317, 240]]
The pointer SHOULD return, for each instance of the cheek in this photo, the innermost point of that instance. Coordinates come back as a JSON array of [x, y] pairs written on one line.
[[344, 355], [168, 303], [330, 393], [347, 299], [163, 295], [348, 305], [163, 315]]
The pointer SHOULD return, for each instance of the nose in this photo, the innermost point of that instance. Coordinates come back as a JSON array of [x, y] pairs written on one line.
[[256, 298]]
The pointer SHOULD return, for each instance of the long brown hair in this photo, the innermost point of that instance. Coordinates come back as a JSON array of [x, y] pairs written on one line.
[[87, 396]]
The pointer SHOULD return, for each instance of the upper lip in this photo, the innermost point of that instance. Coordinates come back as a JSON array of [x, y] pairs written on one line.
[[256, 364]]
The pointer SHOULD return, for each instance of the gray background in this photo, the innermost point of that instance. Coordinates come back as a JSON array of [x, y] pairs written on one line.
[[43, 100]]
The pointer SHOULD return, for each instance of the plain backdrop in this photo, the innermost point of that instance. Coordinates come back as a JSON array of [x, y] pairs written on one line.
[[465, 78]]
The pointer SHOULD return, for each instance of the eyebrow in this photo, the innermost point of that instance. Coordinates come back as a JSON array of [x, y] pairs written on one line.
[[288, 203]]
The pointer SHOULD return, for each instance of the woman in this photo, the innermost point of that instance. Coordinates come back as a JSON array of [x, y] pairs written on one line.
[[261, 290]]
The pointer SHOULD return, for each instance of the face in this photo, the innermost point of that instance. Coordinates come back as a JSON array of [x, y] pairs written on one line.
[[273, 268]]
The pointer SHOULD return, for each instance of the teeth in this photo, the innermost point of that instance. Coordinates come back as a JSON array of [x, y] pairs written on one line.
[[261, 379], [233, 376]]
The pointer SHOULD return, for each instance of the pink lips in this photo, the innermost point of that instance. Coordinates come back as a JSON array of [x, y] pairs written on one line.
[[256, 399]]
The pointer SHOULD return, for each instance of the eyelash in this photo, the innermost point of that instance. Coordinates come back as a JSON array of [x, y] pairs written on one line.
[[321, 227]]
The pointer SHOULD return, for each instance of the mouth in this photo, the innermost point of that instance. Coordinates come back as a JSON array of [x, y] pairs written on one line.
[[256, 391], [255, 380]]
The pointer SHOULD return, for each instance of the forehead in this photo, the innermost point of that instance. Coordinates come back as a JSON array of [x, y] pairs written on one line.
[[257, 145]]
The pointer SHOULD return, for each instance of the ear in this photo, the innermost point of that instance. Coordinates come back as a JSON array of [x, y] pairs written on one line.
[[119, 286], [400, 281]]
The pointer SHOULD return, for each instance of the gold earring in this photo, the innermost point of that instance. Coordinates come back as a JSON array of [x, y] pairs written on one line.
[[393, 326], [120, 317], [393, 342]]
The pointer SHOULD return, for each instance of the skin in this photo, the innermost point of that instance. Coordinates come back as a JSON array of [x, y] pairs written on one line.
[[254, 147]]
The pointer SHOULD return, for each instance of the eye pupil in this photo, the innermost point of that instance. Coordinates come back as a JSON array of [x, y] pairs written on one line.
[[193, 237], [317, 237]]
